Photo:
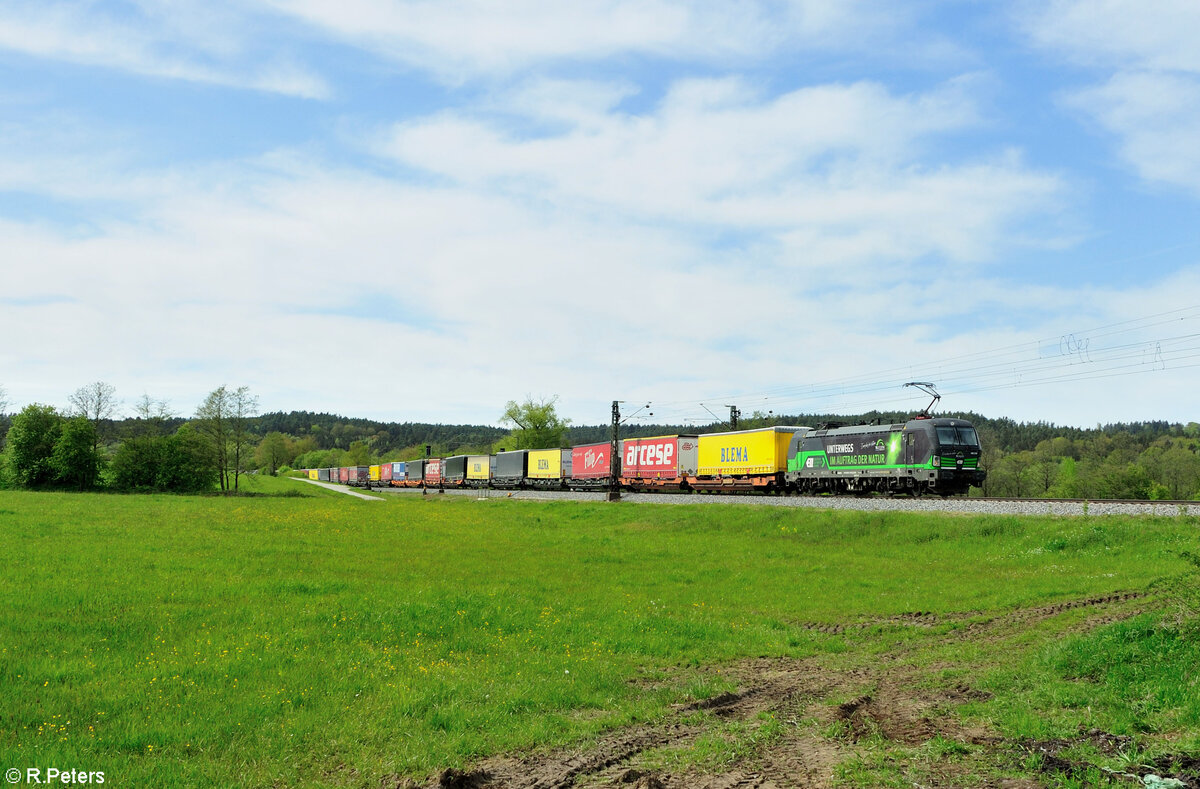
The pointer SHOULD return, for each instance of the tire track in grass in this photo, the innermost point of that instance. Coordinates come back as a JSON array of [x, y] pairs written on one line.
[[795, 692]]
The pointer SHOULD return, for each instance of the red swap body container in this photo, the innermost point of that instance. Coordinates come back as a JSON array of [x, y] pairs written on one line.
[[662, 462], [591, 462]]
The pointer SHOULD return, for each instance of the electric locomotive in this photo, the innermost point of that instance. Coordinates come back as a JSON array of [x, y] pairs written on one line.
[[923, 455]]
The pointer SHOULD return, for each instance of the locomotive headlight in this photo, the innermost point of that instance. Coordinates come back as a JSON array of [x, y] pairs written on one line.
[[937, 462]]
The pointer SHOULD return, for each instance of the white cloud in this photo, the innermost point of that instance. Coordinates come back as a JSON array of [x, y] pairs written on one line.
[[1155, 35], [157, 39], [336, 290], [579, 102], [833, 171], [1149, 100], [1156, 118], [461, 39]]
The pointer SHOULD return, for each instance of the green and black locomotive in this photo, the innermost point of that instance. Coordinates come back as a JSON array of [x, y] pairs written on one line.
[[923, 455]]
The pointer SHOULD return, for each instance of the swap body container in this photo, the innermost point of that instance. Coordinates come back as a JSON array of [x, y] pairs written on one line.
[[322, 474], [591, 461], [745, 452], [398, 470], [508, 468], [385, 472], [360, 475], [660, 460], [344, 475], [549, 465], [454, 470], [414, 473], [333, 474], [479, 468], [433, 471], [373, 473], [312, 473]]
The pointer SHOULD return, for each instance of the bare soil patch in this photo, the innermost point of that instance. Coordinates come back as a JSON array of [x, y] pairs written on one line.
[[822, 719]]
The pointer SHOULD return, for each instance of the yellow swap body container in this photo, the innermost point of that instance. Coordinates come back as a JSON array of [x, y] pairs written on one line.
[[761, 451], [312, 473], [373, 473], [479, 467], [545, 464]]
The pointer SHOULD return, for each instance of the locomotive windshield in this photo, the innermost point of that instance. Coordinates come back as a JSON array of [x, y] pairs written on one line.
[[948, 435]]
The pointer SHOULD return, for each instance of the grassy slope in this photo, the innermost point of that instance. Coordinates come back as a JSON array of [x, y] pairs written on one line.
[[319, 639]]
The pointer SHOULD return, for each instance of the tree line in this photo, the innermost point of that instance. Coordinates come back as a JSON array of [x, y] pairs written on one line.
[[155, 449], [83, 447]]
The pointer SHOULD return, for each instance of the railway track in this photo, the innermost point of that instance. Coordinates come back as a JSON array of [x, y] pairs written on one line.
[[981, 505]]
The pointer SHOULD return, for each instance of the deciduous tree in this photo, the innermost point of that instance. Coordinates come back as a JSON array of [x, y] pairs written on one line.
[[1180, 472], [185, 467], [98, 403], [212, 423], [223, 419], [4, 422], [31, 445], [152, 416], [242, 406], [536, 424], [273, 451], [359, 454], [179, 463], [76, 456]]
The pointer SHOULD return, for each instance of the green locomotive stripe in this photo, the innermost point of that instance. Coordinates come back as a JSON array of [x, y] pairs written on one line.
[[821, 463]]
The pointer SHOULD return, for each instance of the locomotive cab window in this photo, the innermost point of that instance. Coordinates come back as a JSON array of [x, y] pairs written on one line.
[[948, 435]]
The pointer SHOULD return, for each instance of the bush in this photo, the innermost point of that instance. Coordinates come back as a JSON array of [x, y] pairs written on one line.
[[30, 446], [175, 464], [75, 461]]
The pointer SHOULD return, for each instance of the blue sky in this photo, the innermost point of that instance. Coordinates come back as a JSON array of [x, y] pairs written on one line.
[[416, 211]]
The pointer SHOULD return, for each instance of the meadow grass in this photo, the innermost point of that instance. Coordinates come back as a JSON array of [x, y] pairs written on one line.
[[311, 639]]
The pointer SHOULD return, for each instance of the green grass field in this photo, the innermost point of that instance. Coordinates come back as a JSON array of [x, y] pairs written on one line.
[[316, 640]]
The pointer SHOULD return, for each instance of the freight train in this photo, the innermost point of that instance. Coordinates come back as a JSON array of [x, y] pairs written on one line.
[[925, 455]]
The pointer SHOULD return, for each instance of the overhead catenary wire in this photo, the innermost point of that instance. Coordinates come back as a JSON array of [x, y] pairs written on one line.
[[1072, 356]]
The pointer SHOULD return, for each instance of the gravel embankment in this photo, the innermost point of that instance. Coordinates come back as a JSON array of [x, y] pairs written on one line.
[[1030, 507]]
